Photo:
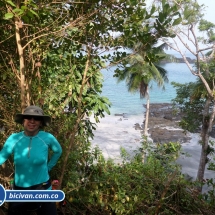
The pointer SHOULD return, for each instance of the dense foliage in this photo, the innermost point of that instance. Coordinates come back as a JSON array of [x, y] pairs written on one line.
[[201, 45], [51, 55], [156, 186], [56, 63]]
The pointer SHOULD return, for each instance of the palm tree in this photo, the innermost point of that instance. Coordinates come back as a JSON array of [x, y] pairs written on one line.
[[140, 71]]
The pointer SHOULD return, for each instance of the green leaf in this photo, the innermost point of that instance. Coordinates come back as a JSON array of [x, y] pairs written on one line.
[[163, 3], [4, 76], [8, 16], [18, 11], [78, 74], [152, 9], [177, 21], [161, 17], [166, 8], [33, 12], [172, 35], [11, 3], [23, 7]]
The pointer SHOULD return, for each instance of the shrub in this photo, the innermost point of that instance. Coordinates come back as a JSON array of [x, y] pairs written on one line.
[[156, 186]]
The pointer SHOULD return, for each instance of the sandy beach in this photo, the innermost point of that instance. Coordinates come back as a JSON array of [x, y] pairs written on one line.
[[114, 132]]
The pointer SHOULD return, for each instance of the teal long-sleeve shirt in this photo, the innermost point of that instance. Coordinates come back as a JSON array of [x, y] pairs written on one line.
[[31, 161]]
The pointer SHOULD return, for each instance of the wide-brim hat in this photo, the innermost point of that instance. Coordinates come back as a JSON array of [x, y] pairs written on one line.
[[33, 111]]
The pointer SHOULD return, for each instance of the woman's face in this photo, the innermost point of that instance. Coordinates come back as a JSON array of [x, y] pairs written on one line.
[[32, 125]]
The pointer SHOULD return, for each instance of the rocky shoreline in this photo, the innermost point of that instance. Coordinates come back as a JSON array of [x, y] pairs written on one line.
[[124, 131], [163, 125]]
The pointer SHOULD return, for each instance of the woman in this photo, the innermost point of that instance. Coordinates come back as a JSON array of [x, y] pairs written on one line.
[[30, 150]]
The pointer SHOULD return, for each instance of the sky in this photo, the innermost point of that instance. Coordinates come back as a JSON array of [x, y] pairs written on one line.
[[209, 15], [210, 9]]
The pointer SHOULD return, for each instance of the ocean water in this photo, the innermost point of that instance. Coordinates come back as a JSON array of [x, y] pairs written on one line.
[[130, 103]]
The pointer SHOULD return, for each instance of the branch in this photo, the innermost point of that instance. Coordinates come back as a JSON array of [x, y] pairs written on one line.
[[79, 21], [208, 48], [7, 38], [197, 47], [167, 185], [185, 59], [170, 45], [198, 73], [212, 53], [45, 28], [185, 44], [188, 37]]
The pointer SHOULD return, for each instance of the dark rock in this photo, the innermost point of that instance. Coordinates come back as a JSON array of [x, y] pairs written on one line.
[[163, 135], [118, 114], [138, 127], [163, 124]]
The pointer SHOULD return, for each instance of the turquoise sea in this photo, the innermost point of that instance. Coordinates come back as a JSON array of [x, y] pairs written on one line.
[[131, 104]]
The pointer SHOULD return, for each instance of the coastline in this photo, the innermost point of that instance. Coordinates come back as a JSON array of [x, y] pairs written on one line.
[[116, 131], [122, 130]]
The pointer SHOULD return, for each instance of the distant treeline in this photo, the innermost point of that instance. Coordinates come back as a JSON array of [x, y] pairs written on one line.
[[178, 60]]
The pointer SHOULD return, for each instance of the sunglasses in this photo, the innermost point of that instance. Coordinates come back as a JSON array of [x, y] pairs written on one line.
[[36, 118]]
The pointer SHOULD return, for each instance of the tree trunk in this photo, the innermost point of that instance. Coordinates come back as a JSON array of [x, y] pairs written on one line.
[[146, 122], [147, 114], [203, 157], [206, 129], [21, 64]]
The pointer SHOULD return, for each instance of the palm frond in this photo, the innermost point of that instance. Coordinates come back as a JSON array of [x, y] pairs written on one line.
[[138, 73]]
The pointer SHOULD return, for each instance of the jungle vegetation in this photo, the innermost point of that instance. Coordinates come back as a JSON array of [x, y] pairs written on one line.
[[51, 55]]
